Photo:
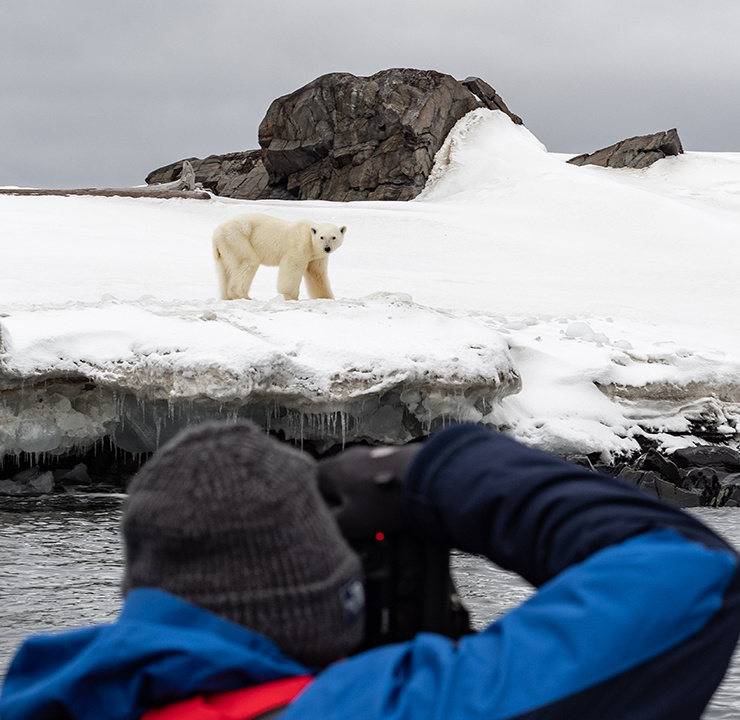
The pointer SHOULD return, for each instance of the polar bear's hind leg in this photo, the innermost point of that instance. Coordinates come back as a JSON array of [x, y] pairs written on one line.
[[236, 263], [242, 280]]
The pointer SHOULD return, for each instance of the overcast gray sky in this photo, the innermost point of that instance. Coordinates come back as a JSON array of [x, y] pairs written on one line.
[[100, 92]]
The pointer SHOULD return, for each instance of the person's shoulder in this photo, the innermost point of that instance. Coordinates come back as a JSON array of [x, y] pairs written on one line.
[[410, 673]]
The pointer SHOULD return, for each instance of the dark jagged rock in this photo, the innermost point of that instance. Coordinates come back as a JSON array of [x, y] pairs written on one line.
[[713, 456], [343, 137], [651, 482], [706, 475], [653, 460], [75, 477], [239, 175], [489, 97], [636, 152]]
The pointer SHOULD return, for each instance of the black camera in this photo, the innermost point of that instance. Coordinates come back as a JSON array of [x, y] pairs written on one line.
[[408, 585]]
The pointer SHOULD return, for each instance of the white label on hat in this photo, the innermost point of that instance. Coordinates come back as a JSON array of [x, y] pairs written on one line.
[[352, 596]]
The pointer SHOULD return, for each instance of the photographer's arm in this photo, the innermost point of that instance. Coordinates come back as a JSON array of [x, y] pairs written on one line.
[[636, 615], [638, 611], [526, 510]]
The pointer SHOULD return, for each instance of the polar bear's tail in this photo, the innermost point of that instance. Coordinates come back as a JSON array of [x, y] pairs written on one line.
[[221, 271]]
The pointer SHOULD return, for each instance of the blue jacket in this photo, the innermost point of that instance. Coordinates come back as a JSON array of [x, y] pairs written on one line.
[[636, 615]]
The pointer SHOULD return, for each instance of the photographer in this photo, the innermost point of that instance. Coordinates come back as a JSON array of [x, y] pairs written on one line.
[[240, 591]]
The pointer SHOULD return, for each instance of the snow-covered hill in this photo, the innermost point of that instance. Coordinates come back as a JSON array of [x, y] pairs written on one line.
[[573, 307]]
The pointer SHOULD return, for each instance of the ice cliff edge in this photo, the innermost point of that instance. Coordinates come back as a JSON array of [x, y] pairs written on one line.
[[377, 369]]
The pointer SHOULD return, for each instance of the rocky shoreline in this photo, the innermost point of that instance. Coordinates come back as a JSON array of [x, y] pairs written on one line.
[[699, 476]]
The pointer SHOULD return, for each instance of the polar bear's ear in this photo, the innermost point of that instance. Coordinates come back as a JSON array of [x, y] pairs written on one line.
[[343, 229], [313, 230]]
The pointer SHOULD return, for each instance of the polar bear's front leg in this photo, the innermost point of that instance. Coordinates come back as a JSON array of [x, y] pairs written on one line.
[[289, 279], [317, 279]]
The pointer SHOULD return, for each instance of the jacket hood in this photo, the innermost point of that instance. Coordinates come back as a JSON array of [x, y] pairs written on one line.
[[160, 650]]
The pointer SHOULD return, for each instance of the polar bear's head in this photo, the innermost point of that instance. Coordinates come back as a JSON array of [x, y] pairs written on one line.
[[327, 237]]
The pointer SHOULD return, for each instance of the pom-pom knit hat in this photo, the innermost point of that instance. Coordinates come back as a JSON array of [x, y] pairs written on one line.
[[230, 519]]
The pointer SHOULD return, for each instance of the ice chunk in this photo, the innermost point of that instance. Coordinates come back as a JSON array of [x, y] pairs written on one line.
[[32, 481], [386, 424], [38, 436], [43, 483]]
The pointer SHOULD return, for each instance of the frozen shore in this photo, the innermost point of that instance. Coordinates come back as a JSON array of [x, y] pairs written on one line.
[[584, 310]]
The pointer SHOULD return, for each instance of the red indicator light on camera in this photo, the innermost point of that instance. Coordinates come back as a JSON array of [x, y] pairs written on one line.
[[379, 536]]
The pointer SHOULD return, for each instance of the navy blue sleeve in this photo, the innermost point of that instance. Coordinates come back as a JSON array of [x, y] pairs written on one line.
[[526, 510], [638, 611]]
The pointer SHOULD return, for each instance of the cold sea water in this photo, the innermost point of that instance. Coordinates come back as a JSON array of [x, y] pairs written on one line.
[[61, 561]]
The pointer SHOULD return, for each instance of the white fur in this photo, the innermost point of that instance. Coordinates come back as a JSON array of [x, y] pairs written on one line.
[[299, 249]]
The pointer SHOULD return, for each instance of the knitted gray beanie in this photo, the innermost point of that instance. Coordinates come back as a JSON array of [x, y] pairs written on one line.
[[231, 520]]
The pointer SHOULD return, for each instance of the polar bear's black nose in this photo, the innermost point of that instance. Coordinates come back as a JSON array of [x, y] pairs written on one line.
[[327, 249]]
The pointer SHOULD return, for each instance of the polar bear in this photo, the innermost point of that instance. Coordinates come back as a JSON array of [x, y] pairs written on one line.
[[299, 249]]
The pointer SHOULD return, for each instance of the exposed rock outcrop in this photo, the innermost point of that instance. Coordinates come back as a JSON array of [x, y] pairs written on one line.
[[702, 476], [185, 179], [343, 137], [347, 138], [238, 174], [636, 152], [489, 97]]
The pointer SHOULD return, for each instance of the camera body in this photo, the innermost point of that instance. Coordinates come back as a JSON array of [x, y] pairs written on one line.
[[408, 584], [408, 589]]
